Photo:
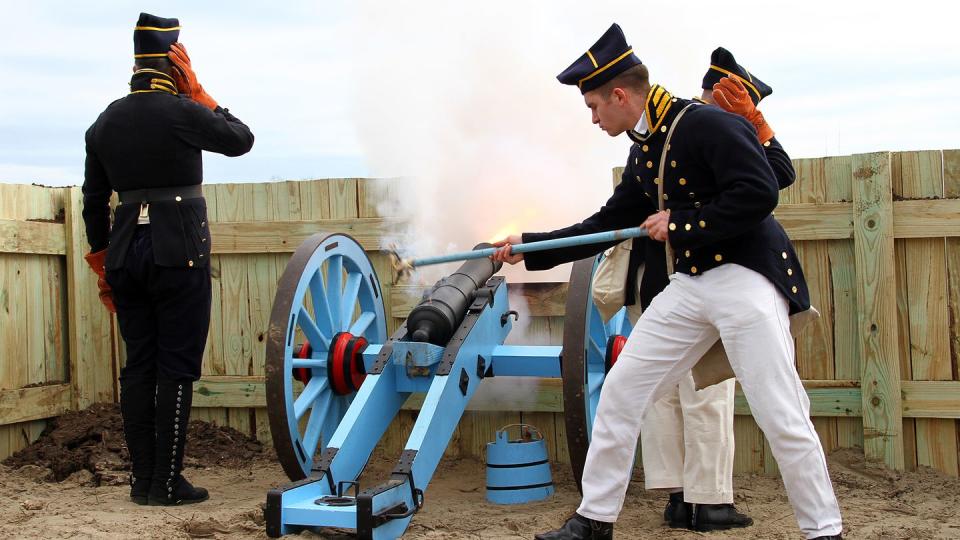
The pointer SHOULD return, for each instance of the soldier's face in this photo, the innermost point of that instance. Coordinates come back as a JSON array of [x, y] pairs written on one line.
[[609, 112]]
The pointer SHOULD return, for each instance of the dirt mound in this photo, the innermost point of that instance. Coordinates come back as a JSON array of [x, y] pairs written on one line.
[[92, 440]]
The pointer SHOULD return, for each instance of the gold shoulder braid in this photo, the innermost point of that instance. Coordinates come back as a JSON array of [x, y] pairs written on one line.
[[658, 104]]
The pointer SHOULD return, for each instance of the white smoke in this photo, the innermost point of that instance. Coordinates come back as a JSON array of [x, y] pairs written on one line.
[[462, 102]]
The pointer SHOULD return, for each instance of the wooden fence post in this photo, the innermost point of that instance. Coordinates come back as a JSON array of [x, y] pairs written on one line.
[[877, 308]]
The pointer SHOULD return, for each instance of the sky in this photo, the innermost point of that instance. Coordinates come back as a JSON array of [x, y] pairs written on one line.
[[460, 99], [328, 87]]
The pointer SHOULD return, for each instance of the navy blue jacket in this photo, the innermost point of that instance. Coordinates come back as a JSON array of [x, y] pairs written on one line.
[[154, 139], [720, 189]]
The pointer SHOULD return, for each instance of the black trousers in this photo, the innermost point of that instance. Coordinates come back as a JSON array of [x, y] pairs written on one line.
[[163, 313], [164, 317]]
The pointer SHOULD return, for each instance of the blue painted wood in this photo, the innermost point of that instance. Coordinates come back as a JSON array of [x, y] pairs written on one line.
[[582, 240]]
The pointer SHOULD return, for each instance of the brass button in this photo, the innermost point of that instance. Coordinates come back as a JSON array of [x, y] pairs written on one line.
[[766, 143], [696, 204], [656, 181], [693, 269], [177, 198], [686, 253], [636, 161], [672, 227], [203, 240], [649, 164], [683, 181], [673, 163], [203, 223], [674, 100], [646, 148], [789, 271], [663, 129], [718, 257], [647, 194], [784, 255], [703, 224], [687, 227], [638, 178], [668, 147], [794, 289], [189, 263], [201, 255], [665, 197]]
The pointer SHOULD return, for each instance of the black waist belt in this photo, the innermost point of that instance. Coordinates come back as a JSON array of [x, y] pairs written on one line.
[[139, 196]]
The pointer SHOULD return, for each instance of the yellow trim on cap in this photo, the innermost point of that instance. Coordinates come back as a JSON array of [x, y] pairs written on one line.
[[150, 55], [604, 68], [156, 28], [592, 59], [744, 81]]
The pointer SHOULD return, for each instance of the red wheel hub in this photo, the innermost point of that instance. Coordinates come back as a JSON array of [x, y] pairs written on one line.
[[345, 369], [302, 374], [614, 346]]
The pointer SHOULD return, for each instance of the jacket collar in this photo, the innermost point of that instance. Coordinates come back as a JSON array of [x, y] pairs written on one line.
[[151, 80], [656, 109]]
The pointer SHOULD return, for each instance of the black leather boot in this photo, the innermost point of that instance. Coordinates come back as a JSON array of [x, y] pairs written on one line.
[[678, 514], [718, 517], [580, 528], [138, 409], [169, 487]]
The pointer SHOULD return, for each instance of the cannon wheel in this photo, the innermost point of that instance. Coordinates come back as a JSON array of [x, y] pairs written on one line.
[[328, 306], [584, 359]]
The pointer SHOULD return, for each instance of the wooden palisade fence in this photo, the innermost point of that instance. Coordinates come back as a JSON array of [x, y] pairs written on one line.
[[878, 235]]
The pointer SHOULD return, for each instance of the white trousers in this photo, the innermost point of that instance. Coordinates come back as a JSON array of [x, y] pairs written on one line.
[[744, 309], [687, 438]]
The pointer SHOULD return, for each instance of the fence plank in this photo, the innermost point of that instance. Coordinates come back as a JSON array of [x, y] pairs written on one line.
[[921, 176], [816, 221], [876, 300], [91, 350], [36, 237], [235, 204], [34, 403], [951, 188], [213, 354]]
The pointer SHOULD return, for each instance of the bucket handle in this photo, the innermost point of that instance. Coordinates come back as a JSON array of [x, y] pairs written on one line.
[[530, 429]]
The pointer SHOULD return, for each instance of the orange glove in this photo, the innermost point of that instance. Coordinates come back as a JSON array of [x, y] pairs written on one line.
[[732, 96], [186, 79], [96, 262]]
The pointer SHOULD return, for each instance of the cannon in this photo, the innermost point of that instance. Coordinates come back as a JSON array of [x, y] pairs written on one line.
[[335, 380]]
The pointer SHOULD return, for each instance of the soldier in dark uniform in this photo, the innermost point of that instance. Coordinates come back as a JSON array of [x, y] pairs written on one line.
[[153, 263], [735, 277], [687, 437]]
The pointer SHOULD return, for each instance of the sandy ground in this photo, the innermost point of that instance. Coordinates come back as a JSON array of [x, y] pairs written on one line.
[[876, 504]]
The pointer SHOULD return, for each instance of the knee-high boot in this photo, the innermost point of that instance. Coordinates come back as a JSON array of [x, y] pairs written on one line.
[[169, 487], [137, 407]]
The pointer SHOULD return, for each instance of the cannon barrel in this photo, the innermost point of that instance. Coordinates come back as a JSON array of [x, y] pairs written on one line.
[[444, 306]]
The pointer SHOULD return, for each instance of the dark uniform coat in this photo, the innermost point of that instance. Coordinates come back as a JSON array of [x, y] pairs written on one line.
[[720, 189], [153, 139]]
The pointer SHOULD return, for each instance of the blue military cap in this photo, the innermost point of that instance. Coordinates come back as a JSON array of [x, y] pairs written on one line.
[[723, 64], [153, 36], [607, 58]]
